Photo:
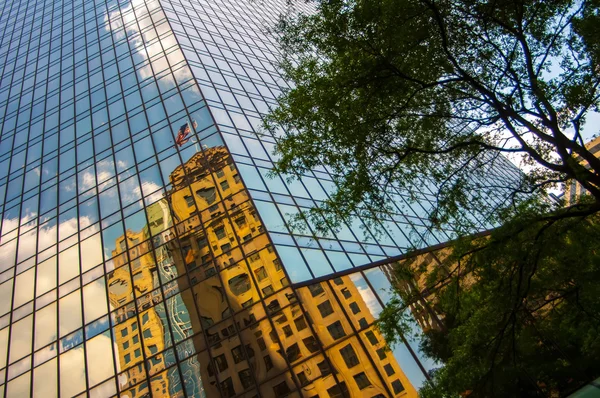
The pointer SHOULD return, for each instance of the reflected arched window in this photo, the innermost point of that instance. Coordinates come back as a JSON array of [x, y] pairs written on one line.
[[208, 194], [239, 284]]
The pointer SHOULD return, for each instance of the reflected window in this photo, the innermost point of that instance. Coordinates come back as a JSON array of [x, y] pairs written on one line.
[[268, 290], [238, 354], [302, 378], [315, 289], [389, 369], [260, 273], [362, 381], [189, 201], [240, 221], [202, 242], [339, 391], [250, 351], [362, 323], [220, 173], [347, 294], [221, 362], [227, 388], [281, 389], [325, 308], [336, 330], [145, 318], [261, 343], [224, 185], [127, 358], [381, 353], [338, 281], [300, 323], [208, 194], [349, 356], [293, 352], [354, 307], [268, 362], [287, 330], [239, 284], [220, 232], [124, 332], [324, 368], [311, 344], [397, 386], [206, 321], [245, 378], [372, 338]]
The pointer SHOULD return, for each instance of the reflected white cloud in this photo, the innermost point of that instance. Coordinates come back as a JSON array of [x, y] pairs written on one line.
[[367, 295]]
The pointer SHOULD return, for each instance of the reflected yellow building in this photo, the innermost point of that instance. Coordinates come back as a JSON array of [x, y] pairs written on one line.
[[253, 326], [132, 282]]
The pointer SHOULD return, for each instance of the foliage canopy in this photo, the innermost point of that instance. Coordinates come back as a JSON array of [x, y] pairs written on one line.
[[385, 91], [521, 310]]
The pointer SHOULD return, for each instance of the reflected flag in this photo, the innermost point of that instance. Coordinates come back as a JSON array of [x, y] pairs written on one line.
[[183, 132]]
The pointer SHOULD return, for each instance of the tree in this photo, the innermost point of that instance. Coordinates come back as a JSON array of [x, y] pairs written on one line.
[[521, 310], [394, 92], [384, 90]]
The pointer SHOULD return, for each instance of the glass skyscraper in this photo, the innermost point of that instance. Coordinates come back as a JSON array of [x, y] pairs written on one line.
[[144, 251]]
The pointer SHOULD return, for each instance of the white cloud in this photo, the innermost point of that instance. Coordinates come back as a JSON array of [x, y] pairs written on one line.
[[367, 295]]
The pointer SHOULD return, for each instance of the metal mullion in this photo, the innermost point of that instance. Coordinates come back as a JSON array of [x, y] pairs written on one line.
[[14, 137], [77, 203], [120, 211], [58, 129], [14, 279], [32, 366], [4, 71]]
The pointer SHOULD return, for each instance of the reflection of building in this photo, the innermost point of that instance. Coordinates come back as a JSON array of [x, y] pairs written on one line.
[[254, 326], [574, 190], [362, 360], [141, 340]]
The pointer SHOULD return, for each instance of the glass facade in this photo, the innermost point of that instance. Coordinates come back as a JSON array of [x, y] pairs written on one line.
[[143, 250]]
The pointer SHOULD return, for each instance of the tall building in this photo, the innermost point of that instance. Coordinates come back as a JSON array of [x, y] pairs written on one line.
[[144, 251]]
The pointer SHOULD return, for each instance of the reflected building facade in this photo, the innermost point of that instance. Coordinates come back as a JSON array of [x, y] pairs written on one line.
[[144, 250]]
